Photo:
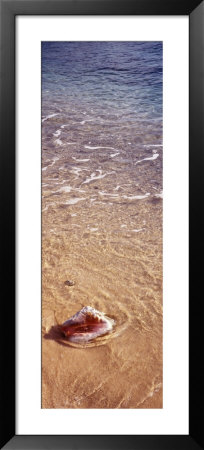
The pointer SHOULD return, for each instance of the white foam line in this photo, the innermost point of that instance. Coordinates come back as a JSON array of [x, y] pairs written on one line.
[[65, 189], [137, 231], [114, 154], [73, 201], [153, 145], [58, 141], [84, 121], [80, 160], [159, 195], [49, 117], [96, 177], [57, 133], [76, 171], [110, 195], [95, 148], [50, 165], [136, 197], [131, 197], [69, 189], [46, 207], [155, 156]]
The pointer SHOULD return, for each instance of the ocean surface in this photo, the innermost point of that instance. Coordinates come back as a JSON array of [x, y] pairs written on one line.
[[102, 221]]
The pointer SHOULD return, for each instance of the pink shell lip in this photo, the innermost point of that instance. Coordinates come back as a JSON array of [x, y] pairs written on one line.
[[86, 325]]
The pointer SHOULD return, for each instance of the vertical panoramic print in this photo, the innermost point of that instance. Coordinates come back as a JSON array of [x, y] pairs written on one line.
[[102, 176]]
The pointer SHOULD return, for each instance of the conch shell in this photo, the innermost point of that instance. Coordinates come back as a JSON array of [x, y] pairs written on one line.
[[86, 325]]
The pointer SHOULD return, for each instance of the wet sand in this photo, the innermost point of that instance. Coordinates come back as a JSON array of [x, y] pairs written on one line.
[[111, 248]]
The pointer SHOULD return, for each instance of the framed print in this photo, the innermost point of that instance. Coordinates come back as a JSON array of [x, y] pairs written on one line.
[[101, 141]]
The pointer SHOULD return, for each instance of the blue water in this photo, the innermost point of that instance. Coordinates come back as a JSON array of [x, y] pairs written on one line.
[[102, 116], [122, 75]]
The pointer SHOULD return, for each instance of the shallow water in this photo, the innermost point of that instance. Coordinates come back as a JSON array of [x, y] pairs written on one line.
[[102, 220]]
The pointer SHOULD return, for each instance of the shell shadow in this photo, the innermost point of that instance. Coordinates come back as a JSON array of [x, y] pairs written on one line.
[[56, 335]]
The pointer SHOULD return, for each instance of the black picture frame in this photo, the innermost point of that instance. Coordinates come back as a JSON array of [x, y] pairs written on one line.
[[9, 9]]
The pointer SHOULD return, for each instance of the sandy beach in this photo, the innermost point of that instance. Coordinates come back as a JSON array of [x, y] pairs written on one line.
[[116, 270]]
